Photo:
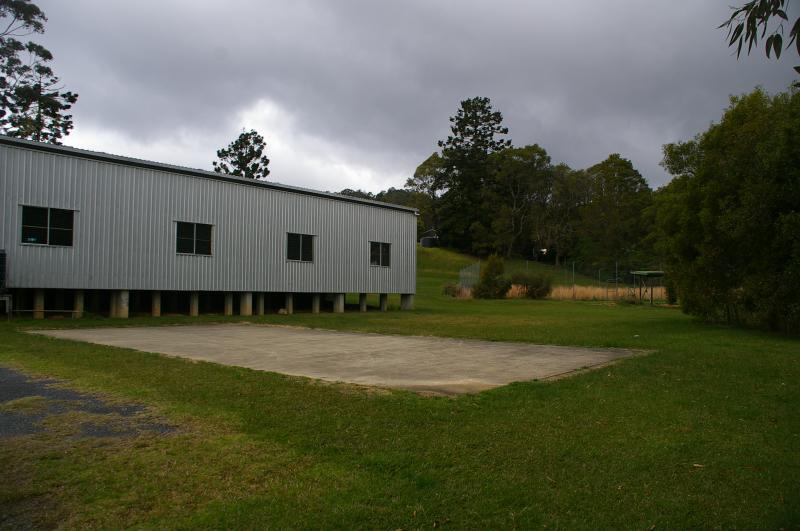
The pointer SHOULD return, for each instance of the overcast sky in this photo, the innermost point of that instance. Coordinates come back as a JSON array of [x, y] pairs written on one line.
[[355, 94]]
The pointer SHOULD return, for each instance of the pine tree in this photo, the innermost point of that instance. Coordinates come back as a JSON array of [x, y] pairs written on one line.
[[244, 157]]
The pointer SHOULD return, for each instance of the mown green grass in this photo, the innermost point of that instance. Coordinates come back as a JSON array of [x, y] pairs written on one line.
[[702, 432]]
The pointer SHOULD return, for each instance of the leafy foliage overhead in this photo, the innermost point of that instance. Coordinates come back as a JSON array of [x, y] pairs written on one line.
[[751, 22], [21, 17], [244, 157]]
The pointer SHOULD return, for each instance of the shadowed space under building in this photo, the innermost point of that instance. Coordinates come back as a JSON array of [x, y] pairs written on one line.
[[423, 364]]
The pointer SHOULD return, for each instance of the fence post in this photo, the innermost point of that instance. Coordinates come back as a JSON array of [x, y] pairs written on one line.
[[573, 280]]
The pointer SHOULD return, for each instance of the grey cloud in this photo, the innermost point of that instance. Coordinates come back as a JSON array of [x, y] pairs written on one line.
[[582, 79]]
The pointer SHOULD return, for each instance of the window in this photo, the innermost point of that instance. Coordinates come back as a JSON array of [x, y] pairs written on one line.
[[300, 247], [47, 226], [380, 254], [194, 238]]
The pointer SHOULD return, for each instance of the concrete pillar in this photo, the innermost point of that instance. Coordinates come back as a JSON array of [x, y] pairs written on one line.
[[38, 304], [260, 304], [362, 302], [289, 303], [228, 303], [155, 304], [194, 303], [246, 303], [77, 304], [338, 303], [123, 301], [407, 301], [384, 301], [315, 303]]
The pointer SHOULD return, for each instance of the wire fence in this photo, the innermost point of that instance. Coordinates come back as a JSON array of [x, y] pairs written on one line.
[[571, 281], [469, 276]]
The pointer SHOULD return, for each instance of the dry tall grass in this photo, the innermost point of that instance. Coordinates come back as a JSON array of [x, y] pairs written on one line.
[[580, 293], [596, 293]]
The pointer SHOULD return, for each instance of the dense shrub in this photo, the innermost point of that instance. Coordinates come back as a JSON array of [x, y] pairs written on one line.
[[492, 283], [728, 226], [452, 289], [533, 285]]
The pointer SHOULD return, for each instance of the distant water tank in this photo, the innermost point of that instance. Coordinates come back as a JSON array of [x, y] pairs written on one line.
[[429, 238]]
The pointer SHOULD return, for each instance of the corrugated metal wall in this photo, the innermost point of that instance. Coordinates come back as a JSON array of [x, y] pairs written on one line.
[[124, 235]]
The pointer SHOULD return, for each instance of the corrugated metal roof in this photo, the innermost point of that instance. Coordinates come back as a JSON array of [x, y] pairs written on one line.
[[141, 163]]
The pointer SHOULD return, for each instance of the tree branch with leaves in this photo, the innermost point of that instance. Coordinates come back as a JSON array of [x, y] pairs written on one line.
[[752, 21]]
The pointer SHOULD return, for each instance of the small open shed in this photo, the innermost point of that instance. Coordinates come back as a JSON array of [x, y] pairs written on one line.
[[644, 281]]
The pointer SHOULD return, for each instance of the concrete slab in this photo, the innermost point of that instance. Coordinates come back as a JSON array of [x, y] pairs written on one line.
[[422, 364]]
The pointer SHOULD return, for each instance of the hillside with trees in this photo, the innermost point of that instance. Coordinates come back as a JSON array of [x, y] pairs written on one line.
[[726, 229], [486, 196]]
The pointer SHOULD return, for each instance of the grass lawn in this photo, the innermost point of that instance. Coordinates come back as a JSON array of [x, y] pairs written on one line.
[[703, 432]]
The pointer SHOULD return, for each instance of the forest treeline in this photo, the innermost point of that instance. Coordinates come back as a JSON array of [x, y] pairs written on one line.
[[726, 229], [483, 195]]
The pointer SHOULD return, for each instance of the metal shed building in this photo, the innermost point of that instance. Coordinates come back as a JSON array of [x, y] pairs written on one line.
[[118, 234]]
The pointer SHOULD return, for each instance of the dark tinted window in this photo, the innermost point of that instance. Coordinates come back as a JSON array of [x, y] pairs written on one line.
[[60, 237], [300, 247], [386, 249], [374, 253], [193, 238], [60, 219], [202, 243], [202, 247], [379, 254], [308, 248], [185, 245], [34, 235], [203, 232], [185, 242], [47, 226], [186, 230], [293, 242], [34, 216]]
